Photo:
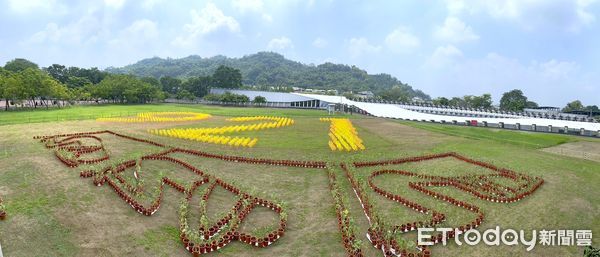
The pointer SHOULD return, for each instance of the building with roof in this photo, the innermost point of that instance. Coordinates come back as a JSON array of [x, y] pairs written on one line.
[[276, 99]]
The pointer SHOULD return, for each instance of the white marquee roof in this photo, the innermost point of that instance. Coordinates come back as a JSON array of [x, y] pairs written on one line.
[[395, 111]]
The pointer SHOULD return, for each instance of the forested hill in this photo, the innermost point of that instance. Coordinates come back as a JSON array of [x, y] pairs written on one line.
[[272, 69]]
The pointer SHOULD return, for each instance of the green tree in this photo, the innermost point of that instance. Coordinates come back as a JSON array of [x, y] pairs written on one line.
[[152, 81], [531, 104], [574, 106], [396, 93], [259, 99], [227, 77], [441, 101], [483, 101], [212, 97], [234, 98], [170, 84], [126, 88], [13, 89], [77, 82], [199, 86], [20, 64], [93, 74], [184, 94], [58, 72], [457, 101], [593, 108], [513, 100], [75, 77]]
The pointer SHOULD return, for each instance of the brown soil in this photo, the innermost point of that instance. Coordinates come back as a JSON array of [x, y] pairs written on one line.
[[582, 150]]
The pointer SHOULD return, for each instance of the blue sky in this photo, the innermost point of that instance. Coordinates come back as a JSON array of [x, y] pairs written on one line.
[[547, 48]]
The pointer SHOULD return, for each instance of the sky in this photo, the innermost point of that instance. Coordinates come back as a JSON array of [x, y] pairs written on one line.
[[547, 48]]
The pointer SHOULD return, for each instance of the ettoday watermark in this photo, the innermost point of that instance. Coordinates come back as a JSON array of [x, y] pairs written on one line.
[[496, 236]]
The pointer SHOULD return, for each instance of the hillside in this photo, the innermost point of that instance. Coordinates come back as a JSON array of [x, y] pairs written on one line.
[[271, 69]]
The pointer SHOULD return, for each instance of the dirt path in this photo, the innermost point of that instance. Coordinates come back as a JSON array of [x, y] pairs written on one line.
[[583, 150]]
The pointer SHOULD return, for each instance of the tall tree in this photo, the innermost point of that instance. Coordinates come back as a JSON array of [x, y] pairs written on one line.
[[20, 64], [593, 108], [483, 101], [58, 72], [513, 100], [396, 93], [170, 84], [259, 99], [14, 88], [573, 106], [227, 77], [198, 86], [531, 104], [441, 101], [457, 101]]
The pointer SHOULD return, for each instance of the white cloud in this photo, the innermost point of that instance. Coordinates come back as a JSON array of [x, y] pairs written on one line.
[[280, 43], [267, 17], [553, 81], [443, 56], [149, 4], [320, 43], [139, 32], [455, 31], [47, 6], [86, 30], [248, 5], [570, 15], [208, 20], [401, 40], [360, 46], [25, 6], [117, 4], [253, 6], [554, 69], [144, 27]]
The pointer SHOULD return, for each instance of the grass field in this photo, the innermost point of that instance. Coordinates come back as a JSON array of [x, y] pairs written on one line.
[[54, 212]]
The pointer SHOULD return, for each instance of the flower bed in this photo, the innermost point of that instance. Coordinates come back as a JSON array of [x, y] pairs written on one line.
[[215, 135], [347, 227], [55, 141], [205, 239], [343, 135], [159, 117], [377, 233], [208, 238], [71, 148], [480, 186]]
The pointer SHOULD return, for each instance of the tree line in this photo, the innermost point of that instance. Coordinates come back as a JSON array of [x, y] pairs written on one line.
[[513, 100], [23, 82]]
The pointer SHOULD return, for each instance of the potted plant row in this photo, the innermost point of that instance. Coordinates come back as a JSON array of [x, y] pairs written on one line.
[[225, 230], [291, 163], [436, 216], [347, 228], [2, 210], [401, 160]]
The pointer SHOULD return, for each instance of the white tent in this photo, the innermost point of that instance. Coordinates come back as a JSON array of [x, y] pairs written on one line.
[[396, 112]]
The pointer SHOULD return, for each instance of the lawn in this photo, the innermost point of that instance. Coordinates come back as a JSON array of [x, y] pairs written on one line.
[[94, 111], [52, 211]]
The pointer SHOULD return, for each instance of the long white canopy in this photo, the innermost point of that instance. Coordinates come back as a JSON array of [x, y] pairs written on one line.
[[394, 111]]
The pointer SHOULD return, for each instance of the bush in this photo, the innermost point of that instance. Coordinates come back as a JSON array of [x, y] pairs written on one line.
[[227, 97], [259, 99]]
